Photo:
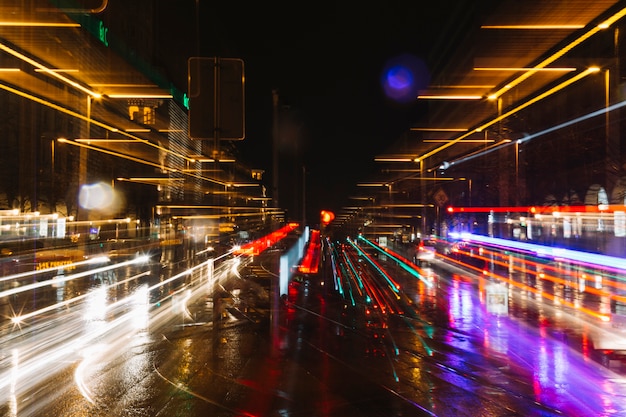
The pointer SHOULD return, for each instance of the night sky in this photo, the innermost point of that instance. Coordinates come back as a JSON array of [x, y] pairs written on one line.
[[326, 61]]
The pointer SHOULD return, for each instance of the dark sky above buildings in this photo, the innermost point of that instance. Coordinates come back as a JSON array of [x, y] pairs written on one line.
[[325, 59]]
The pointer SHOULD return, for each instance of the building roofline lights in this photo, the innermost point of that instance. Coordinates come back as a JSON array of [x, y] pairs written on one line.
[[533, 27], [12, 23], [49, 71], [558, 54], [515, 69], [449, 97], [439, 129], [522, 106]]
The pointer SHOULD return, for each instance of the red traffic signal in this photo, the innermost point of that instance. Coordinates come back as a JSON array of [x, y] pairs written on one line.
[[326, 217]]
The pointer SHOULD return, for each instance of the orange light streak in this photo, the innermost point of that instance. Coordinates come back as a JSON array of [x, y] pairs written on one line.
[[560, 271], [543, 294]]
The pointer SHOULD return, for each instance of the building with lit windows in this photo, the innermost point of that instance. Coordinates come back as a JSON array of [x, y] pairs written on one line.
[[93, 129]]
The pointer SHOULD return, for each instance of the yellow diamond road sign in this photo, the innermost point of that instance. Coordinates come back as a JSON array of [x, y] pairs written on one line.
[[440, 197]]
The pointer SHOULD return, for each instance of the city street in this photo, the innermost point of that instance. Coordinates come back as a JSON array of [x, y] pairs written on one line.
[[443, 355], [225, 209]]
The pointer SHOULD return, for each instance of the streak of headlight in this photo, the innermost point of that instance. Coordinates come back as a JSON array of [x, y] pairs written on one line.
[[394, 284], [132, 296], [364, 288], [96, 305], [185, 300], [234, 268], [202, 252], [354, 276], [45, 358], [14, 373], [373, 295], [33, 370], [99, 259], [381, 304], [138, 317], [179, 275], [65, 303], [66, 278], [600, 112], [89, 354], [141, 304]]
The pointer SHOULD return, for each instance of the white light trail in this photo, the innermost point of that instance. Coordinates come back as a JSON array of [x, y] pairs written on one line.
[[540, 250], [99, 259], [66, 278], [21, 318], [600, 112]]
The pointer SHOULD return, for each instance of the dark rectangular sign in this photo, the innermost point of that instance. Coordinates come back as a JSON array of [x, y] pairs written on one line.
[[216, 98]]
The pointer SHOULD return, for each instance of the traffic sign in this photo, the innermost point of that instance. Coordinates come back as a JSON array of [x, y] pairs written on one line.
[[216, 98]]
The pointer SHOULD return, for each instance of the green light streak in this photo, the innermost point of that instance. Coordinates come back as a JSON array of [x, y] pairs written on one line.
[[400, 262], [376, 267], [349, 286]]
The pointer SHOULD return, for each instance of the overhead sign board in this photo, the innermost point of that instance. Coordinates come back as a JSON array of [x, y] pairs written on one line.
[[216, 98]]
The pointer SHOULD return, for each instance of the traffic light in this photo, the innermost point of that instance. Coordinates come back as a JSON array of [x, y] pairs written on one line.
[[326, 217]]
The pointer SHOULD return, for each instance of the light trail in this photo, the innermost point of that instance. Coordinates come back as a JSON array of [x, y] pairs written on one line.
[[404, 263], [41, 359], [66, 303], [43, 348], [394, 286], [507, 260], [600, 112], [99, 259], [90, 355], [67, 278], [578, 257], [528, 288]]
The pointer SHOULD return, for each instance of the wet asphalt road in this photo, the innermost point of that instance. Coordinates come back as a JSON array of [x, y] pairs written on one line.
[[323, 356]]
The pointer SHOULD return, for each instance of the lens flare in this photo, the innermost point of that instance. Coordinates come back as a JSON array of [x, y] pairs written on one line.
[[100, 196], [403, 77]]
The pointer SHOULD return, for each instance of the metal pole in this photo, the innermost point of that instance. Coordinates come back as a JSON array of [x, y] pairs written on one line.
[[275, 102], [423, 187], [53, 203]]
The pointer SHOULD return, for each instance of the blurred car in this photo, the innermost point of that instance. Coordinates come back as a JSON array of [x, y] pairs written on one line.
[[444, 246], [426, 251]]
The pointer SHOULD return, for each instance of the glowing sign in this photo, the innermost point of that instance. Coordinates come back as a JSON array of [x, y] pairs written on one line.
[[497, 299], [103, 33]]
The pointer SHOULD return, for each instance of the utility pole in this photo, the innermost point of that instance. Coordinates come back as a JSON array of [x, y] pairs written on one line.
[[275, 141], [303, 195]]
